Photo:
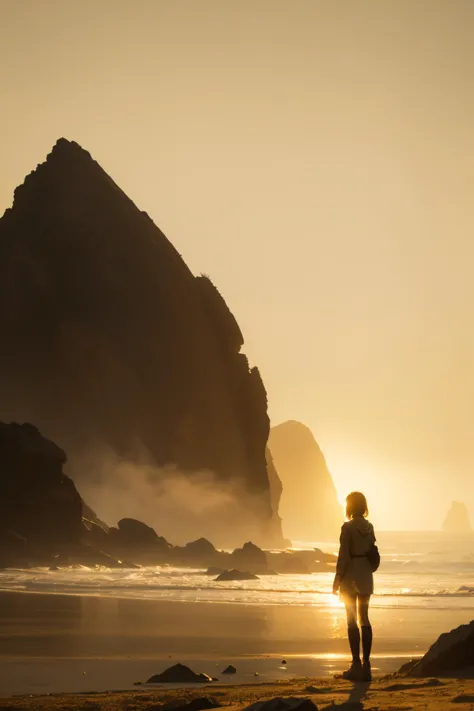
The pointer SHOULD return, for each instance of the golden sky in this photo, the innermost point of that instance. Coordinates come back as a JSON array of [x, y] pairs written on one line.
[[316, 159]]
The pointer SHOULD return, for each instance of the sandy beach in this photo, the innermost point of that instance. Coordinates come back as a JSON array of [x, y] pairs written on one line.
[[72, 643], [388, 694]]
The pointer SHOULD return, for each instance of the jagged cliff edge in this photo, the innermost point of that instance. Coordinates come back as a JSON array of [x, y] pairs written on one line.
[[112, 344]]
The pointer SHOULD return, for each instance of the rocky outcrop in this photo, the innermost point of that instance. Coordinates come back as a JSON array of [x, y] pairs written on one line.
[[451, 655], [457, 519], [309, 507], [250, 557], [135, 533], [201, 548], [40, 508], [109, 339], [41, 512]]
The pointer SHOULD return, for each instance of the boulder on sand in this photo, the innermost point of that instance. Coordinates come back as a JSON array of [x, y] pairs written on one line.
[[230, 670], [451, 655], [236, 575], [179, 674]]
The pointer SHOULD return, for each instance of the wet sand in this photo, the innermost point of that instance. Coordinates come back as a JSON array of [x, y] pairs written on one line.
[[60, 643]]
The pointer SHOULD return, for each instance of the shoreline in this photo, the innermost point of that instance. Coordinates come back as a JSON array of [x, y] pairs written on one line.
[[70, 643]]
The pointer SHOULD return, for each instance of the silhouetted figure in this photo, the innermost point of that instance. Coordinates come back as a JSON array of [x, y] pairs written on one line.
[[355, 582]]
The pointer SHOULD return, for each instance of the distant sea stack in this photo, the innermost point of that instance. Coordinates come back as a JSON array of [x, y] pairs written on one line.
[[108, 339], [457, 519], [309, 507]]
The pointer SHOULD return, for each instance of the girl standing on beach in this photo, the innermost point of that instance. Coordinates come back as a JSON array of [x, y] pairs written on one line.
[[358, 558]]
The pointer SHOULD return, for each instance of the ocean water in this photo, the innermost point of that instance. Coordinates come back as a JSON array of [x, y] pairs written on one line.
[[100, 629], [418, 570]]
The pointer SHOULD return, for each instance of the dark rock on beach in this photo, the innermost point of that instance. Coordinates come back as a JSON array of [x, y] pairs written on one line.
[[451, 655], [179, 674], [230, 670]]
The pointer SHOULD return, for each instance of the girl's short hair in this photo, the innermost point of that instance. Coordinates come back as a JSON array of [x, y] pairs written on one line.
[[356, 505]]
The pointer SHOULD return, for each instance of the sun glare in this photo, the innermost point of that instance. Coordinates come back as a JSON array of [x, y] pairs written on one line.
[[335, 601]]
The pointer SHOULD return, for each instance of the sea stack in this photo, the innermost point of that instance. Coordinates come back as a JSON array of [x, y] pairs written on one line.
[[309, 507], [457, 519], [108, 339]]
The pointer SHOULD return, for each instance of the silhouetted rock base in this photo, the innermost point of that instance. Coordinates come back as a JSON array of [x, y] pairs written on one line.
[[451, 655]]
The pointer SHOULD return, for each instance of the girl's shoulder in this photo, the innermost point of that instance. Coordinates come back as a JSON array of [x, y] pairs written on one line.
[[359, 524]]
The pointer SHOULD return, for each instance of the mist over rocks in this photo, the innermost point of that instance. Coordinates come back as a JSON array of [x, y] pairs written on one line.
[[457, 519], [110, 343], [44, 521], [309, 507]]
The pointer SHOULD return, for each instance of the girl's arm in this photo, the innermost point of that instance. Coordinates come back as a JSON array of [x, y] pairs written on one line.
[[343, 557]]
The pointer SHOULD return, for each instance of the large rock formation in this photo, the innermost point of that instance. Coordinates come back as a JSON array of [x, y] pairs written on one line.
[[451, 655], [457, 519], [109, 343], [309, 506], [40, 508]]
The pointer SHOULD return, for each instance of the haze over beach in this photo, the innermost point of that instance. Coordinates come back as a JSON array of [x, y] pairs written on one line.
[[235, 285]]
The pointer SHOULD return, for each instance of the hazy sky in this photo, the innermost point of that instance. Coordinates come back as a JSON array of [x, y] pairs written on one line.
[[316, 159]]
